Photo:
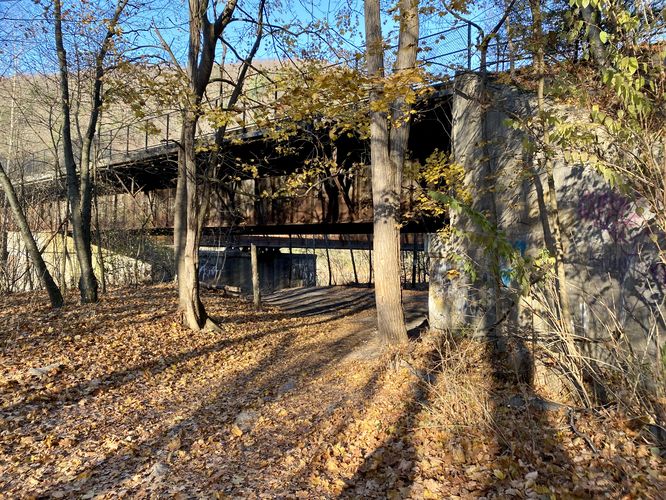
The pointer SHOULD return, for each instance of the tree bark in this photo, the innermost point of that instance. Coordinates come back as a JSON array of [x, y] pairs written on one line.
[[179, 213], [353, 263], [597, 49], [86, 181], [4, 253], [29, 241], [87, 280], [194, 313], [387, 151], [100, 251], [188, 220], [79, 184]]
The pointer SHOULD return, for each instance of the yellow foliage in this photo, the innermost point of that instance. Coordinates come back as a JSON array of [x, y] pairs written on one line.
[[441, 175]]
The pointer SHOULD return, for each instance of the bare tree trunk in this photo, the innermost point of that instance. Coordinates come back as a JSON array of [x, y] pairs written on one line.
[[328, 261], [179, 213], [79, 184], [4, 242], [194, 313], [64, 252], [387, 150], [597, 49], [353, 263], [511, 47], [87, 280], [415, 256], [204, 35], [369, 262], [100, 251], [291, 261], [28, 239], [557, 246]]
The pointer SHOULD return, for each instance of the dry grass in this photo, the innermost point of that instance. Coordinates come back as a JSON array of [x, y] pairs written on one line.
[[461, 394]]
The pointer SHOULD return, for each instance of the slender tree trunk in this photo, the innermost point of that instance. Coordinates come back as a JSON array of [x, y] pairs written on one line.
[[328, 262], [86, 197], [557, 245], [80, 190], [179, 213], [291, 261], [353, 262], [555, 225], [415, 257], [369, 262], [511, 47], [4, 240], [87, 280], [28, 239], [204, 35], [100, 251], [597, 49], [65, 254]]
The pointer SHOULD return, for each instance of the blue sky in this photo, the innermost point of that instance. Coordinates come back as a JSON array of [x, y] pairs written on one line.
[[28, 45]]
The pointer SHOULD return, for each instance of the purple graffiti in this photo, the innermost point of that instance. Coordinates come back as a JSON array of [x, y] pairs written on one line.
[[612, 212]]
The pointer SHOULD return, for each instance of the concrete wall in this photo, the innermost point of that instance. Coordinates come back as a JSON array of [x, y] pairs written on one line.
[[612, 264], [60, 258]]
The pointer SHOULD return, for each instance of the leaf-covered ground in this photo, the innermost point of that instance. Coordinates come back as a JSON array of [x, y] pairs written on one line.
[[117, 400]]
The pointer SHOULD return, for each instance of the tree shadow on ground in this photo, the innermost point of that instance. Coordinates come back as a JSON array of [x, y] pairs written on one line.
[[331, 302], [123, 317], [341, 301], [395, 467], [389, 469], [73, 394], [86, 318], [530, 456], [281, 373], [514, 458], [302, 404]]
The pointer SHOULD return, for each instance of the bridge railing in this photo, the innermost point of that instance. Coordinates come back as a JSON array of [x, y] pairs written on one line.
[[442, 53]]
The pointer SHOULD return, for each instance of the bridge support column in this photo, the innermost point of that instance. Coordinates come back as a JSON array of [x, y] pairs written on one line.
[[462, 271], [256, 287]]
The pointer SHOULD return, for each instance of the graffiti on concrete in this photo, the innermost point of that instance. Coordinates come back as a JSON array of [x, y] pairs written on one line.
[[623, 242], [613, 213], [506, 272]]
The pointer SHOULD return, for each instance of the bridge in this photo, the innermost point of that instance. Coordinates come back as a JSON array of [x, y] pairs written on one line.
[[443, 54], [136, 172]]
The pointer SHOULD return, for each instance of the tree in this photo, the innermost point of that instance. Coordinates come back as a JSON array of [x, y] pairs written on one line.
[[28, 239], [627, 101], [79, 180], [389, 131], [325, 91], [204, 35], [553, 233]]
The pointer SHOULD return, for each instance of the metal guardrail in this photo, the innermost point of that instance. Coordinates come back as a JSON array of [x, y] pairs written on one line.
[[443, 54]]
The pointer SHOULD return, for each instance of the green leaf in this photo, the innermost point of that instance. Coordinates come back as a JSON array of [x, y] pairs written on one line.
[[632, 65], [603, 36]]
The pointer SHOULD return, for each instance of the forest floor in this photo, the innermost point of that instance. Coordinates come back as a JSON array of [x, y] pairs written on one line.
[[116, 399]]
